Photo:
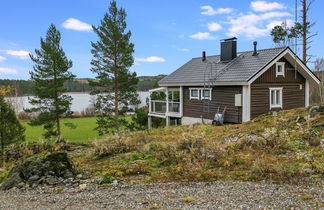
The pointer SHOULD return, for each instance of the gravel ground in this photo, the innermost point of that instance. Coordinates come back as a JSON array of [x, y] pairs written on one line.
[[215, 195]]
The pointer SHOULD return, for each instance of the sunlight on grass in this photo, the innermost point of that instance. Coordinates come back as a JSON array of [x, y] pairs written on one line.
[[84, 131]]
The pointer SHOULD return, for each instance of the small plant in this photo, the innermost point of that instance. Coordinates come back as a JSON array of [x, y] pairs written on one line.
[[188, 199], [306, 197], [155, 206], [105, 179]]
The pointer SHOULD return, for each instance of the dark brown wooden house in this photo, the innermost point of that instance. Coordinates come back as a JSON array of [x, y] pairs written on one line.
[[248, 84]]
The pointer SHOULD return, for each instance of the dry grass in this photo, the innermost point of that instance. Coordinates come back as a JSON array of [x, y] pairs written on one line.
[[286, 147]]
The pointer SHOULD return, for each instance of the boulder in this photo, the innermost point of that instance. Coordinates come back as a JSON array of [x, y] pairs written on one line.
[[35, 170]]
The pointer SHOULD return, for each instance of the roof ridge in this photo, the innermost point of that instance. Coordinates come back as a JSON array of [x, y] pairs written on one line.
[[265, 49]]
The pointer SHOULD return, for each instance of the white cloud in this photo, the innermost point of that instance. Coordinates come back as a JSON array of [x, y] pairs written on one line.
[[75, 24], [209, 10], [21, 54], [214, 26], [7, 71], [203, 36], [289, 23], [252, 25], [263, 6], [2, 58], [151, 59]]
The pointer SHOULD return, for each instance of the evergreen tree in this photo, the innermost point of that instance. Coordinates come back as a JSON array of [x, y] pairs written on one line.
[[11, 130], [50, 73], [112, 58], [283, 35]]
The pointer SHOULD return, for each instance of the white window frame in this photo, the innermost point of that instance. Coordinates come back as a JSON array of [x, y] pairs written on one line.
[[194, 97], [202, 93], [282, 64], [280, 104]]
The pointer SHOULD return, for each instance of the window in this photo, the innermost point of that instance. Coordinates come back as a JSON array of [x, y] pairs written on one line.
[[206, 94], [280, 69], [275, 98], [194, 93], [201, 93]]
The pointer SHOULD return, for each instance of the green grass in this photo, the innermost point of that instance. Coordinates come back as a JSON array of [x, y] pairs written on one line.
[[84, 131]]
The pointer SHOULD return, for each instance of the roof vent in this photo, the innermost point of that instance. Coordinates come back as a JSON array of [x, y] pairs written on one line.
[[255, 52], [228, 49], [204, 56]]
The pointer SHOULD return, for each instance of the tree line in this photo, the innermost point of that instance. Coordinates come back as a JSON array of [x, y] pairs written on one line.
[[25, 87]]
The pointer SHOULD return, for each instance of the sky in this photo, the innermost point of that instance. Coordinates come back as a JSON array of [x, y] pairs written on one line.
[[166, 33]]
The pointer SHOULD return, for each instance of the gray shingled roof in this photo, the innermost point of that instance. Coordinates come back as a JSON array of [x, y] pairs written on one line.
[[240, 69]]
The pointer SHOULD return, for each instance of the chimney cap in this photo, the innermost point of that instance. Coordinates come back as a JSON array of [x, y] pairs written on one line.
[[229, 39], [255, 52], [203, 55]]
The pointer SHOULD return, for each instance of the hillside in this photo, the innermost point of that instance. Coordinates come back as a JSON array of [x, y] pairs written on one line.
[[286, 147], [25, 87]]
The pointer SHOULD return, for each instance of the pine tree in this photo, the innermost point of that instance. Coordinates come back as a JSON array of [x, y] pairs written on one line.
[[112, 58], [282, 35], [50, 72], [11, 130]]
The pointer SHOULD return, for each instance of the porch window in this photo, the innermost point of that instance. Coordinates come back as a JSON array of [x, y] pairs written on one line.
[[206, 94], [194, 93], [275, 98], [280, 69]]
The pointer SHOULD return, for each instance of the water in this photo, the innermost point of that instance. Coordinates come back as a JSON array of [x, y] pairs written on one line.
[[80, 101]]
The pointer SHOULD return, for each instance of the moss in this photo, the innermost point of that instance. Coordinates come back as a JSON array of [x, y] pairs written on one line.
[[188, 199], [306, 197], [105, 179], [4, 174]]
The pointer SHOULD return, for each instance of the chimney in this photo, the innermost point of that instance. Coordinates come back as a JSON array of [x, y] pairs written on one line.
[[255, 43], [204, 56], [228, 49]]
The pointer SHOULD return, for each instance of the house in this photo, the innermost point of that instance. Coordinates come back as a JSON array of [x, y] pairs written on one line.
[[245, 84]]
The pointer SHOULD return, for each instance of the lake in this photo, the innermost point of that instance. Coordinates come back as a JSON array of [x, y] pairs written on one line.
[[80, 101]]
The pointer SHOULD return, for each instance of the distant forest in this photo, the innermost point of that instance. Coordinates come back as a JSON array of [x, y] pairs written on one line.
[[25, 87]]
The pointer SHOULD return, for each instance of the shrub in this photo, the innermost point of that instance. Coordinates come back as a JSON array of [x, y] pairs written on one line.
[[105, 179]]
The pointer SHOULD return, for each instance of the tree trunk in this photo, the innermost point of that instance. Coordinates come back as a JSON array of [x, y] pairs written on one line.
[[2, 149], [58, 125], [304, 16], [116, 108]]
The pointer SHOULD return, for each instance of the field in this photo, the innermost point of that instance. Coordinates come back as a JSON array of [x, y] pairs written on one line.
[[83, 132]]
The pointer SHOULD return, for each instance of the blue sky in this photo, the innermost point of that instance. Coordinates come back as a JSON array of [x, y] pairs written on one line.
[[166, 33]]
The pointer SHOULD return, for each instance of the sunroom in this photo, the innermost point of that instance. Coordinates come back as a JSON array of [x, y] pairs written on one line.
[[165, 102]]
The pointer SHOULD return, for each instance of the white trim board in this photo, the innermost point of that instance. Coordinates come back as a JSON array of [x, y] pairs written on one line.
[[202, 84], [306, 72], [281, 101]]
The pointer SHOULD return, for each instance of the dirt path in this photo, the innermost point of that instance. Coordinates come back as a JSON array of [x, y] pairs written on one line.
[[221, 195]]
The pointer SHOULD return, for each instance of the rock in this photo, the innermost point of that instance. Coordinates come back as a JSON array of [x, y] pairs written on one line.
[[33, 179], [313, 110], [50, 180], [83, 186], [12, 180], [233, 139], [34, 170], [115, 182], [79, 176], [20, 185]]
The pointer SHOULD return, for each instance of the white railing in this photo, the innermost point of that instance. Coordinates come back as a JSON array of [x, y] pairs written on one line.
[[174, 106], [158, 106]]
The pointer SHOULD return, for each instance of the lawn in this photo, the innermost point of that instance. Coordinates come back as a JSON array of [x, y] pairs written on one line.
[[84, 131]]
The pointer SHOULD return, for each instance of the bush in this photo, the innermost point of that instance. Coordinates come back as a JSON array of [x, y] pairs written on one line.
[[105, 179], [111, 146]]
